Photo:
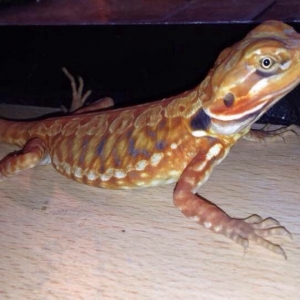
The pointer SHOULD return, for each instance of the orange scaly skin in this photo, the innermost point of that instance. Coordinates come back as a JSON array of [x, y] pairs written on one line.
[[179, 139]]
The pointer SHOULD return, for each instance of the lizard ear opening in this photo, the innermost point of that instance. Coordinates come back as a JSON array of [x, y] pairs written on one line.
[[229, 99]]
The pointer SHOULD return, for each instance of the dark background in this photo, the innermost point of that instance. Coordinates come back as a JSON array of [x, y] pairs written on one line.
[[132, 51], [132, 64]]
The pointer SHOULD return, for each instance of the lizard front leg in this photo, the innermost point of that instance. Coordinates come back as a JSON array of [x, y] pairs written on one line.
[[197, 208], [263, 135]]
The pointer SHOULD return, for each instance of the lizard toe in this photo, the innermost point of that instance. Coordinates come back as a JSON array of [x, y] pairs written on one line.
[[255, 229]]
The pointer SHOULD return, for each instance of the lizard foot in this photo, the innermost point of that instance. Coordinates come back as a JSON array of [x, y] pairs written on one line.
[[78, 98], [263, 135], [255, 229]]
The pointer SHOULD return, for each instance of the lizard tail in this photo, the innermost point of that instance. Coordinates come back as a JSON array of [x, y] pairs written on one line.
[[14, 132]]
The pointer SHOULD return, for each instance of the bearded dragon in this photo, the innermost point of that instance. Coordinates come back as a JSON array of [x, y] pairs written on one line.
[[178, 139]]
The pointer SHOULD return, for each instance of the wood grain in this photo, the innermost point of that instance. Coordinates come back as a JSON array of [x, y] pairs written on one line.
[[63, 240]]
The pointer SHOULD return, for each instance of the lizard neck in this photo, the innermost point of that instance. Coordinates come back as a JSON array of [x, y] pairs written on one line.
[[200, 124]]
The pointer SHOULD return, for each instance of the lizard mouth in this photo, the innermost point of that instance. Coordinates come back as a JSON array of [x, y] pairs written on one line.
[[236, 122], [254, 108]]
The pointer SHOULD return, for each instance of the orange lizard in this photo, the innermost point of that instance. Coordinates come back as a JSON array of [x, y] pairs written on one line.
[[178, 139]]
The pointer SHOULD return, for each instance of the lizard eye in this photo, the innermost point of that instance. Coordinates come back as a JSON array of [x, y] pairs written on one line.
[[267, 67], [266, 63]]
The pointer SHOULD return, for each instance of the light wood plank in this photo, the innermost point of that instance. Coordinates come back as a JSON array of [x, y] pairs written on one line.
[[63, 240]]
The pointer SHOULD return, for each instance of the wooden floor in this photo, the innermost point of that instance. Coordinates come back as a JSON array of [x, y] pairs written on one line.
[[63, 240]]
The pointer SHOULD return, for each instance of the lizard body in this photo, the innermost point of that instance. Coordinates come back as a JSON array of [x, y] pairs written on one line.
[[121, 148], [178, 139]]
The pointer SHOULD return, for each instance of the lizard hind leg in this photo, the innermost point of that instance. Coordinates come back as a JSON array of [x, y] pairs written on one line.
[[33, 153], [79, 99]]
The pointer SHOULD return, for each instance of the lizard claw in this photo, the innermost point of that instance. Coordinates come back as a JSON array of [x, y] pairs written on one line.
[[255, 229], [263, 135]]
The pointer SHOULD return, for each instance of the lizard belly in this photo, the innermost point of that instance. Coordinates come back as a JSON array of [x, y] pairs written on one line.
[[124, 163], [141, 173]]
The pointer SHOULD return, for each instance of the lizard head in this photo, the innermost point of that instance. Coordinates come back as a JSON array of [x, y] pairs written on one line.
[[251, 76]]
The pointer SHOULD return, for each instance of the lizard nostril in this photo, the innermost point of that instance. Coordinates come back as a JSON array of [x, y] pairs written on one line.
[[229, 99]]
